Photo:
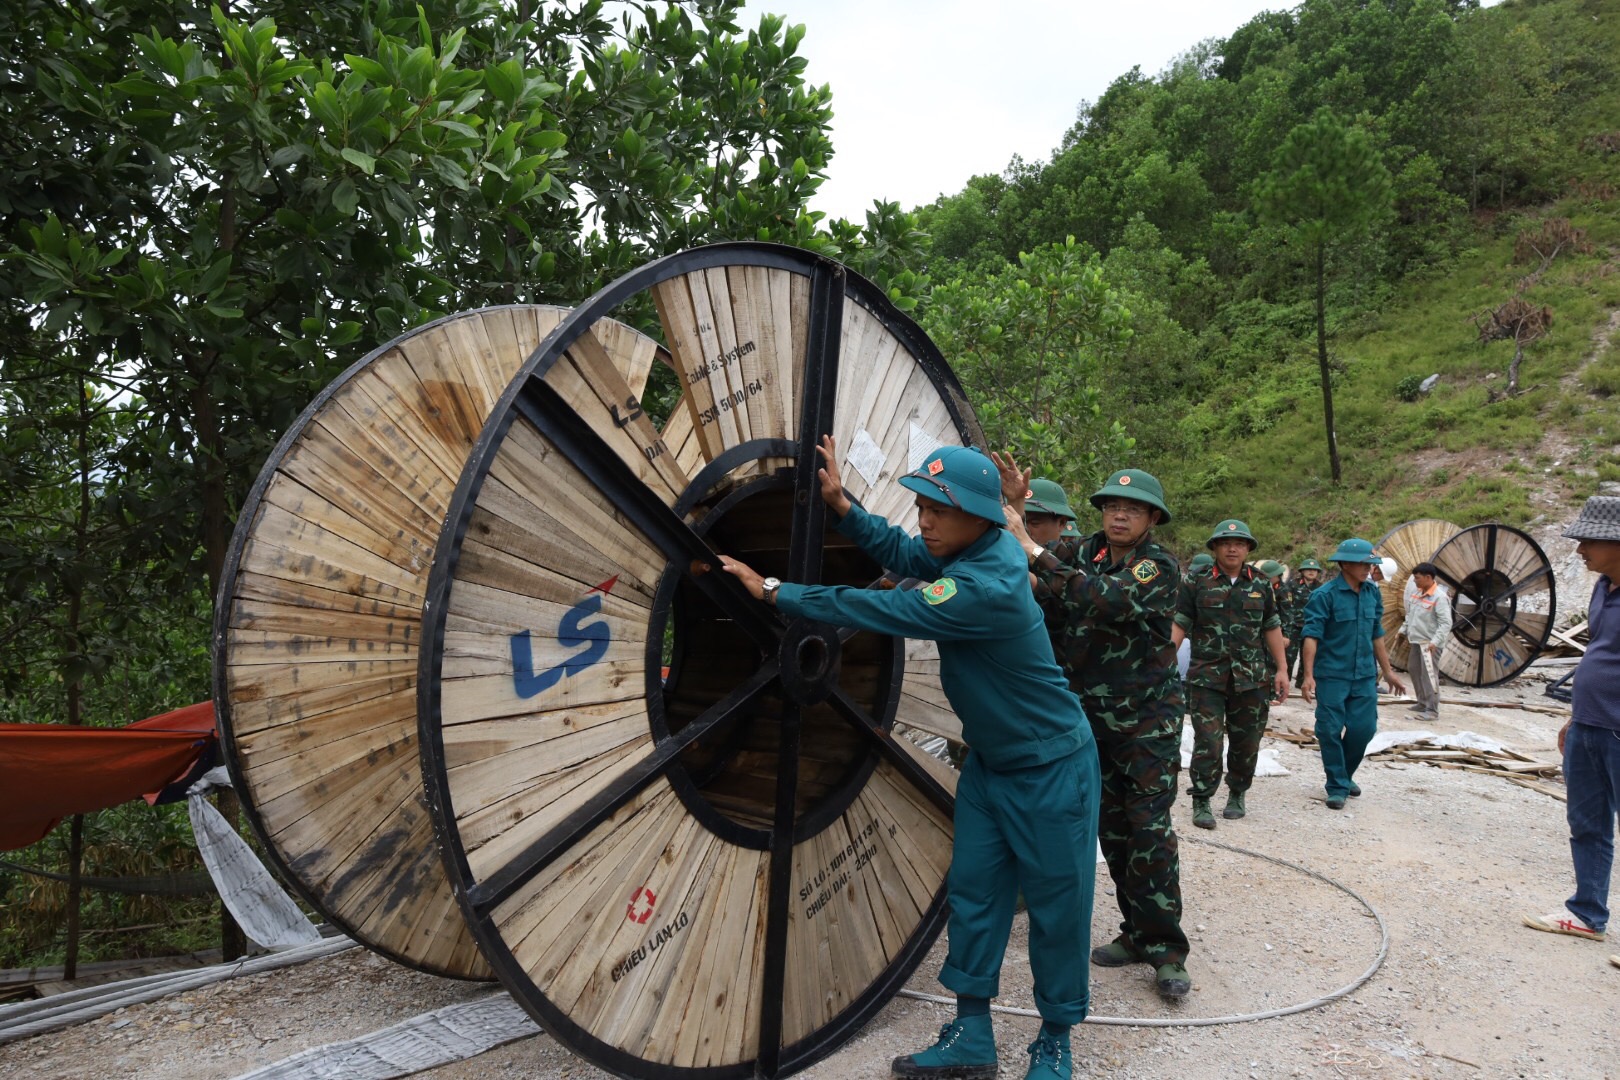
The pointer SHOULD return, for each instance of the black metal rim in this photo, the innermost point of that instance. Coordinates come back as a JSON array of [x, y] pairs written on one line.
[[528, 395], [247, 515]]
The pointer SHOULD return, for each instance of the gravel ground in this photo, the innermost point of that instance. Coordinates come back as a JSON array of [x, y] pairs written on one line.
[[1450, 859]]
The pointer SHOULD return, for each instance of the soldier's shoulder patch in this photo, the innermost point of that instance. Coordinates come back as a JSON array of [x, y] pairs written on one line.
[[940, 591], [1145, 571]]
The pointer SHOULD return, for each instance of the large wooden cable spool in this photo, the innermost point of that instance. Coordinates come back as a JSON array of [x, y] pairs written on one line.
[[725, 872], [1503, 603], [1408, 544], [317, 624]]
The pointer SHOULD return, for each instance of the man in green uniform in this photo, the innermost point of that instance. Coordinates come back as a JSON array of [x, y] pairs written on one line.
[[1306, 580], [1230, 614], [1026, 801], [1274, 572], [1343, 654], [1046, 512], [1118, 602]]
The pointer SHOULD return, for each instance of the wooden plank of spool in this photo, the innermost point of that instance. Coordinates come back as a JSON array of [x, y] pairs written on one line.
[[628, 847], [317, 657]]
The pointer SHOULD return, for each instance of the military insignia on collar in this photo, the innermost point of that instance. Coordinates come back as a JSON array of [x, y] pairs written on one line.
[[940, 591], [936, 467], [1145, 571]]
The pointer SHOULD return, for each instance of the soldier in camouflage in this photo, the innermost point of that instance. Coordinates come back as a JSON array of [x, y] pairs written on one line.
[[1306, 580], [1117, 601], [1230, 615]]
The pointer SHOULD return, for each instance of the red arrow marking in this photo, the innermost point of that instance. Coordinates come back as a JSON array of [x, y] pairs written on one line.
[[606, 586]]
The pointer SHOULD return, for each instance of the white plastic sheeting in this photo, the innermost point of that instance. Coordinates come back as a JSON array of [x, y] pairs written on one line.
[[1462, 740], [1268, 764], [453, 1033], [255, 900]]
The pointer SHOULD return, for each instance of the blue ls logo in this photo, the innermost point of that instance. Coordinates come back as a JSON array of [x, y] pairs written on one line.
[[573, 631]]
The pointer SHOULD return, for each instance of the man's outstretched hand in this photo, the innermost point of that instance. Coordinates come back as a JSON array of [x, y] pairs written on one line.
[[832, 481]]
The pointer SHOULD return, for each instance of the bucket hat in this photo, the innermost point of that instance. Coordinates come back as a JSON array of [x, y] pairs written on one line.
[[1599, 520], [1133, 484], [1354, 550], [1232, 529], [962, 477], [1047, 497]]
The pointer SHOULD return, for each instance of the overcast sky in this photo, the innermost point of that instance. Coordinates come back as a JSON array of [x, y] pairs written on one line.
[[928, 93]]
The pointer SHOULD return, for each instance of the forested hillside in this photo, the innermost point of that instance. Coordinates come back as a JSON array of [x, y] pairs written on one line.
[[1149, 293]]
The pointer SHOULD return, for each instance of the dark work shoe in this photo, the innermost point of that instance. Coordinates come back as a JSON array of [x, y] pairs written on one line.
[[966, 1050], [1335, 802], [1117, 953], [1049, 1059], [1203, 816], [1173, 981], [1234, 806], [1355, 790]]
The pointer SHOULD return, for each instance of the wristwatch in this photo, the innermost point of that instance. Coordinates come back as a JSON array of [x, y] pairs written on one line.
[[770, 585]]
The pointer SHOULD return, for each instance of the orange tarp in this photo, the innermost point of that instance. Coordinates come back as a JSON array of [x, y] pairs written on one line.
[[52, 771]]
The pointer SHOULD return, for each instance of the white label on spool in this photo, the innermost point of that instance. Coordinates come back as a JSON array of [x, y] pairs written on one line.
[[866, 457], [922, 444]]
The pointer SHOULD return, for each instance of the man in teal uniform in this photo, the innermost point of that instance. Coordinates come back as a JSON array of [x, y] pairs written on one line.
[[1118, 599], [1229, 612], [1343, 654], [1026, 802]]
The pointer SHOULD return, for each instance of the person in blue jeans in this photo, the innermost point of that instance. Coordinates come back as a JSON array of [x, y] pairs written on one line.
[[1590, 741], [1343, 653], [1026, 803]]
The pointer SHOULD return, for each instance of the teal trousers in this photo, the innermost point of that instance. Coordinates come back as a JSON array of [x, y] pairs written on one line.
[[1346, 720], [1032, 830]]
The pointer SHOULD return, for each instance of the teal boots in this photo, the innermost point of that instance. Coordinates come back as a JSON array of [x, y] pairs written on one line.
[[966, 1050]]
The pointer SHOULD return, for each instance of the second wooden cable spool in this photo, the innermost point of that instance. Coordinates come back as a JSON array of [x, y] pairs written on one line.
[[1408, 544], [725, 872], [1498, 577], [316, 626]]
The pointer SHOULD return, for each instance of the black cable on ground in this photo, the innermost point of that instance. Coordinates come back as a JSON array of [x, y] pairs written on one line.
[[1241, 1018]]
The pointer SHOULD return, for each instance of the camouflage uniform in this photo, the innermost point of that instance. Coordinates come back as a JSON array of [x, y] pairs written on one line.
[[1227, 682], [1115, 647], [1299, 592]]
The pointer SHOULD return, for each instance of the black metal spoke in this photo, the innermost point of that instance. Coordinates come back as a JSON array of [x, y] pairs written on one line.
[[889, 747], [1522, 584], [499, 886], [779, 895], [586, 450], [818, 400]]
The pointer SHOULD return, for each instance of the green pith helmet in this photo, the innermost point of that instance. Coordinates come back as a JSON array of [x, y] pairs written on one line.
[[1232, 529], [1272, 569], [1201, 561], [1133, 484], [1047, 497], [962, 477], [1071, 531], [1354, 550], [1310, 564]]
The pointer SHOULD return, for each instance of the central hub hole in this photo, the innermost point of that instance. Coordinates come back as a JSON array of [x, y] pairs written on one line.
[[812, 657], [733, 767]]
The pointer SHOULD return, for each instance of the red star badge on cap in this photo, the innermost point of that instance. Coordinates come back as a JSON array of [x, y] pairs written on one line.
[[936, 467]]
